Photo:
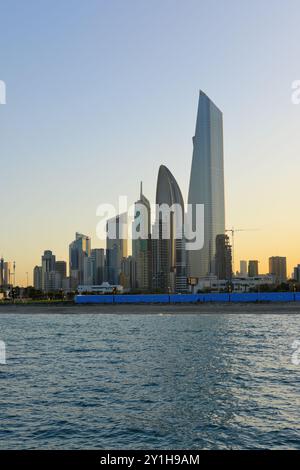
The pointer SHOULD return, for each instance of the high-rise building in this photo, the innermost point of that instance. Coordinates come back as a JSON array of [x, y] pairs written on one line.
[[141, 244], [296, 274], [98, 259], [37, 278], [277, 267], [79, 249], [116, 246], [7, 273], [243, 268], [1, 272], [207, 183], [128, 272], [61, 268], [253, 268], [168, 242], [223, 263], [48, 266], [88, 271]]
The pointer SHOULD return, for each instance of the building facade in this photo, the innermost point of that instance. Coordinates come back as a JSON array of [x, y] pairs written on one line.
[[141, 242], [169, 265], [223, 263], [207, 183], [116, 247], [277, 267], [79, 249], [253, 268]]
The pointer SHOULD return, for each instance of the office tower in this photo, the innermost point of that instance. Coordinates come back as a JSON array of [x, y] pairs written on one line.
[[116, 246], [1, 272], [7, 273], [37, 277], [277, 267], [207, 183], [48, 265], [253, 268], [168, 243], [53, 282], [61, 272], [61, 268], [98, 260], [223, 262], [296, 275], [79, 249], [243, 268], [128, 272], [141, 245], [88, 271]]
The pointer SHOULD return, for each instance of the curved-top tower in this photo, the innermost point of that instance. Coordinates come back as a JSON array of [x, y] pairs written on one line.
[[169, 258], [207, 183]]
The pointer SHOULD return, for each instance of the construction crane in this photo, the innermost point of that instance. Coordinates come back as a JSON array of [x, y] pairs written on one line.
[[232, 231]]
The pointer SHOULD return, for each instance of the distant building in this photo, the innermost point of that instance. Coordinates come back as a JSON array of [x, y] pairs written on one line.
[[61, 268], [116, 247], [1, 272], [53, 282], [128, 272], [296, 274], [238, 284], [98, 260], [7, 274], [207, 183], [141, 246], [37, 278], [277, 267], [223, 263], [48, 266], [88, 271], [104, 288], [169, 264], [79, 249], [243, 268], [253, 268]]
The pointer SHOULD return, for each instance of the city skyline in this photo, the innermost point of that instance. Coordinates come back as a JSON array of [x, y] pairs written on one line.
[[73, 118]]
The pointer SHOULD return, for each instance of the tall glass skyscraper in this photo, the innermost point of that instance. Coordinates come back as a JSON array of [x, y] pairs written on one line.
[[207, 183], [168, 244]]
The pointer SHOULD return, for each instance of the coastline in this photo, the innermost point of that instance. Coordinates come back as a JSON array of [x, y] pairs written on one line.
[[70, 308]]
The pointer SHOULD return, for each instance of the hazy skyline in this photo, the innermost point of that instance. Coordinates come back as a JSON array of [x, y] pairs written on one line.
[[99, 95]]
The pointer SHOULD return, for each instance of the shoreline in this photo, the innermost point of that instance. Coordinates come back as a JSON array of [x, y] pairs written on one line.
[[159, 309]]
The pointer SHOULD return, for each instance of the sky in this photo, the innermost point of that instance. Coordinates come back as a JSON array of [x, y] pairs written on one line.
[[100, 93]]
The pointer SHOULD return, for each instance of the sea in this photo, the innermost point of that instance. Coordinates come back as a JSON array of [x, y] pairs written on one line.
[[84, 378]]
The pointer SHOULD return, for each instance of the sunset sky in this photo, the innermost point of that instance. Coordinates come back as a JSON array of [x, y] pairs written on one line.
[[100, 93]]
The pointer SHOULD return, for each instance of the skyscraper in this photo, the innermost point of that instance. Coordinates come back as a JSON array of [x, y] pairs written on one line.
[[168, 245], [48, 266], [98, 257], [223, 264], [243, 268], [141, 245], [116, 246], [207, 183], [253, 268], [277, 267], [79, 249], [1, 272], [37, 277]]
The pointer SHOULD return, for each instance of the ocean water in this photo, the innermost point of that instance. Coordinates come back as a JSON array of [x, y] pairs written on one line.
[[163, 381]]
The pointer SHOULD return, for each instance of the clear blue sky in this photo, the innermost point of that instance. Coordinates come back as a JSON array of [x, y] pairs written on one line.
[[100, 93]]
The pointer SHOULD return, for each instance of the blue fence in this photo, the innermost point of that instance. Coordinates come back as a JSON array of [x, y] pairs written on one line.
[[189, 298]]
